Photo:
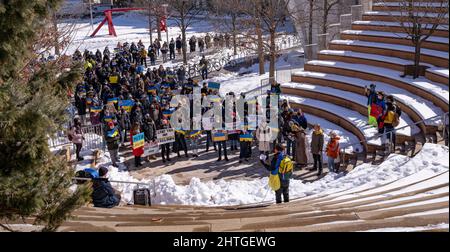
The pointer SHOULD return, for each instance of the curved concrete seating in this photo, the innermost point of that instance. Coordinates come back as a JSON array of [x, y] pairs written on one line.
[[423, 6], [392, 16], [348, 100], [417, 200], [434, 92], [441, 30], [417, 108], [434, 43], [348, 119], [433, 57], [439, 75]]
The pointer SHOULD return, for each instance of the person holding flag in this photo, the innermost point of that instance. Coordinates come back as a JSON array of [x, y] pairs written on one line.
[[112, 137]]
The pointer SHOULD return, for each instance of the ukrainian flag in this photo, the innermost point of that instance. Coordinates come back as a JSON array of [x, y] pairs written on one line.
[[113, 133], [108, 119], [97, 109], [89, 101], [220, 137], [152, 90], [195, 133], [138, 141], [127, 105], [168, 113], [246, 138], [113, 100], [214, 85]]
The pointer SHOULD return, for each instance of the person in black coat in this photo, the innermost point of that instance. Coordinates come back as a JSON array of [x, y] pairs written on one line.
[[273, 166], [103, 195], [172, 50]]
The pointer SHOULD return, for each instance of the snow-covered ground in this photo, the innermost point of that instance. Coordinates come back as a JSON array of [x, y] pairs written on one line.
[[433, 159]]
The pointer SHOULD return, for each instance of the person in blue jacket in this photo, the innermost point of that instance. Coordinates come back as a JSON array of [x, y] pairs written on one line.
[[103, 195]]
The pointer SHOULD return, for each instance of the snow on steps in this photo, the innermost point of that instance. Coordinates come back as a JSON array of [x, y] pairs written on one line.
[[422, 107], [356, 119], [399, 35], [441, 27], [441, 30], [420, 183], [440, 75], [434, 57], [436, 90], [354, 98]]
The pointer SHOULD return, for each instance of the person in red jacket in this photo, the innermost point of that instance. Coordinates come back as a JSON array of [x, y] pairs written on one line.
[[333, 152], [138, 152]]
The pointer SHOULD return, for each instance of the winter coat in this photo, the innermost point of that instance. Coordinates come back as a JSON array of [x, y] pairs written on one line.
[[77, 135], [274, 165], [300, 147], [301, 120], [333, 148], [112, 138], [103, 194], [149, 131], [264, 137], [317, 142]]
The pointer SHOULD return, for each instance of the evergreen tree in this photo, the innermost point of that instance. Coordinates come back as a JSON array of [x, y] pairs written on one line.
[[34, 183]]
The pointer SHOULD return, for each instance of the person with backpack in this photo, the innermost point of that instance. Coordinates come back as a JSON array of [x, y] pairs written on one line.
[[317, 143], [76, 136], [333, 152], [103, 194], [112, 137], [391, 120], [280, 166]]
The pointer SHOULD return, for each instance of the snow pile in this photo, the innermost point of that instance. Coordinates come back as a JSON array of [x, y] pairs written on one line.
[[433, 158]]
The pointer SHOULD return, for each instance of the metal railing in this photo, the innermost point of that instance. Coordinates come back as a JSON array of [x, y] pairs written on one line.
[[93, 137], [389, 135]]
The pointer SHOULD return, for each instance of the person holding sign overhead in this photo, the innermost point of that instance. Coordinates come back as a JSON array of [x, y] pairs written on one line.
[[137, 143]]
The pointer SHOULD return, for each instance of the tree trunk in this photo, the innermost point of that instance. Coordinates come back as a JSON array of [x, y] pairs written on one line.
[[158, 24], [260, 48], [234, 35], [273, 54], [310, 24], [325, 17], [183, 39], [418, 45], [150, 23]]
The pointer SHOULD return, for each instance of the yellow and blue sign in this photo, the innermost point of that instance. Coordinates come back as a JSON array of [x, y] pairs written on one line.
[[152, 90], [138, 141], [113, 100], [220, 137], [113, 133]]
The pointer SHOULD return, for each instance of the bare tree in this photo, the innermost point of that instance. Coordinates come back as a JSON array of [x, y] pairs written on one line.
[[419, 20], [328, 5], [184, 13]]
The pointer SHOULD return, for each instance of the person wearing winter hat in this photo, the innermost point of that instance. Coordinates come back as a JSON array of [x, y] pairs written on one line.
[[103, 194], [112, 136]]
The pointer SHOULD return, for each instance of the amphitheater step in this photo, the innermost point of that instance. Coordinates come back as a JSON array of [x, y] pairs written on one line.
[[394, 16], [432, 57], [434, 43], [440, 31], [435, 92], [423, 6]]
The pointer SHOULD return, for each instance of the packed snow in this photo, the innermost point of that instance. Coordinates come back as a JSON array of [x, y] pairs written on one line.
[[410, 229], [433, 159]]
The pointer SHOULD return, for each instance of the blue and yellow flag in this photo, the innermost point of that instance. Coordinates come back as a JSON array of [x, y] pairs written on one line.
[[246, 138], [113, 100], [127, 105], [152, 90], [108, 118], [168, 113], [220, 137], [214, 85], [194, 133], [96, 109], [89, 101], [113, 133]]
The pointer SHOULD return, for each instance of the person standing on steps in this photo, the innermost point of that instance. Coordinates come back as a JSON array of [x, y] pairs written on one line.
[[317, 143], [204, 68], [138, 152], [371, 95], [333, 152], [299, 134], [76, 136], [172, 49], [165, 148], [112, 137], [282, 166]]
